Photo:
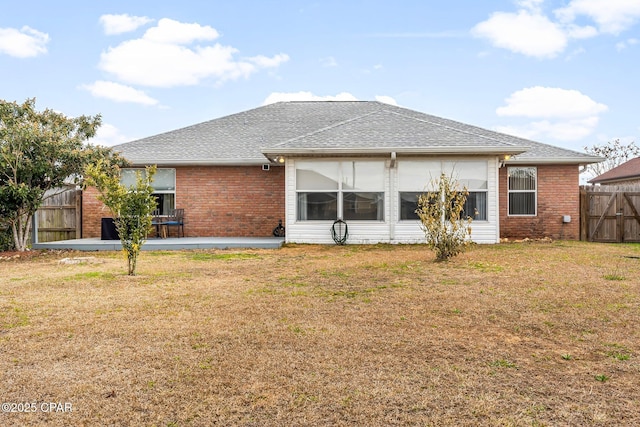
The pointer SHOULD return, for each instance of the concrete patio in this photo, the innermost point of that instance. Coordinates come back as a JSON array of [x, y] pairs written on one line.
[[169, 244]]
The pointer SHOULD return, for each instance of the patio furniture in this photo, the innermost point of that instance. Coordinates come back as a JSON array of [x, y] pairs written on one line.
[[175, 219], [157, 221]]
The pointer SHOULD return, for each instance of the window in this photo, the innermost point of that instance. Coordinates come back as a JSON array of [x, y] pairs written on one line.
[[351, 190], [522, 190], [415, 178], [164, 186]]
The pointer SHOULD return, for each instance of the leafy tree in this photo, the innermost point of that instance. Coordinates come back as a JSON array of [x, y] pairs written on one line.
[[441, 212], [132, 207], [39, 150], [614, 152]]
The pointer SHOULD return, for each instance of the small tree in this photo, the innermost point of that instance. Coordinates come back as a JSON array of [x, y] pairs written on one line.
[[441, 212], [39, 150], [132, 207]]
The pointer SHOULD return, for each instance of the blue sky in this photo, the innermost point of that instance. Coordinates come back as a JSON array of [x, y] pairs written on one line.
[[560, 72]]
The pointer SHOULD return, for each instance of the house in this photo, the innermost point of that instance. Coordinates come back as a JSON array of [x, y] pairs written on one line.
[[627, 173], [309, 163]]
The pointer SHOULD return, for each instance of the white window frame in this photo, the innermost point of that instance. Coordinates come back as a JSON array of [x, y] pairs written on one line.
[[534, 191], [341, 190]]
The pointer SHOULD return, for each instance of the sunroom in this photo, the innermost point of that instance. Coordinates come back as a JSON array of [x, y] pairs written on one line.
[[377, 197]]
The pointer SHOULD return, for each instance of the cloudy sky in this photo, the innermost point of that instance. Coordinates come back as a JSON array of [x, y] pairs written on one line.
[[562, 72]]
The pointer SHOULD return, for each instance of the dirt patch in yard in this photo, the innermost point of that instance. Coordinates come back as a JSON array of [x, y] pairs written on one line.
[[511, 334]]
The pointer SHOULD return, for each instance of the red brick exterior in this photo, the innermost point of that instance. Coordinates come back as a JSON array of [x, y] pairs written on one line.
[[558, 195], [221, 201], [236, 201]]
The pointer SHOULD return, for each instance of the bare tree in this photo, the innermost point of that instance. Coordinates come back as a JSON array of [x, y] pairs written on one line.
[[614, 152]]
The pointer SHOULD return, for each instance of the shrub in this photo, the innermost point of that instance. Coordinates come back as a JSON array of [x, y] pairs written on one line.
[[441, 216]]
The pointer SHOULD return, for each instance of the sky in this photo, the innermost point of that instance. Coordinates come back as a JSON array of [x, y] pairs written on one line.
[[562, 72]]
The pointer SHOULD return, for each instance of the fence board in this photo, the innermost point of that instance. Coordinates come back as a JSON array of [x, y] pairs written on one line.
[[59, 216], [610, 214]]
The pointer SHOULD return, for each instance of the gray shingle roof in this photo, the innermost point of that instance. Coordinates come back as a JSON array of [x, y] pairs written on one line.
[[331, 127]]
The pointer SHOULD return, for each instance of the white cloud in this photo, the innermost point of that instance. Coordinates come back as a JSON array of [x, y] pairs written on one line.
[[570, 130], [118, 24], [309, 96], [164, 57], [329, 62], [119, 93], [541, 101], [23, 43], [531, 32], [108, 136], [169, 31], [566, 114], [612, 16], [527, 33], [620, 46], [306, 96], [532, 5], [386, 100]]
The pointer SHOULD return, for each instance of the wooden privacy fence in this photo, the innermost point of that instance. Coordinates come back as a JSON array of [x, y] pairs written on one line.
[[610, 214], [60, 216]]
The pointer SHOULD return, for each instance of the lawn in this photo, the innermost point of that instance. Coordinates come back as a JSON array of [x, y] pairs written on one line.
[[516, 334]]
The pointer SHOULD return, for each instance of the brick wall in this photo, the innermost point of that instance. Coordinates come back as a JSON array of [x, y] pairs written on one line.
[[558, 195], [224, 201]]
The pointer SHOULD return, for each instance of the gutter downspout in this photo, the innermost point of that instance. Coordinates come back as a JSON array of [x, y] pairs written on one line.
[[392, 200]]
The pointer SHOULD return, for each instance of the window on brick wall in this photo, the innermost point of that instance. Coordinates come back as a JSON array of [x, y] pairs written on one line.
[[164, 186], [351, 190], [522, 189]]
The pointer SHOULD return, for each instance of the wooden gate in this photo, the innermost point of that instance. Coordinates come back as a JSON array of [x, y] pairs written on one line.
[[59, 217], [610, 214]]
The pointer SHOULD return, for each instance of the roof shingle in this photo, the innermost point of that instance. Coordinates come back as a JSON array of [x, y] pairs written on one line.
[[338, 127]]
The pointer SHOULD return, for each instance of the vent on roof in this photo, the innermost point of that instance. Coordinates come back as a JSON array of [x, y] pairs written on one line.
[[266, 167]]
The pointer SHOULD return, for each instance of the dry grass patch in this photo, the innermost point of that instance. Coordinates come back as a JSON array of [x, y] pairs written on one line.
[[510, 334]]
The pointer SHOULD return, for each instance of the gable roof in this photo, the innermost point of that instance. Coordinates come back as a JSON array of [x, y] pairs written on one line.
[[332, 128], [628, 170]]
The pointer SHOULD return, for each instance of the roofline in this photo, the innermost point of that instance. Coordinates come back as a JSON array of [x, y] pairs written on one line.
[[273, 151], [554, 160], [614, 180], [204, 162]]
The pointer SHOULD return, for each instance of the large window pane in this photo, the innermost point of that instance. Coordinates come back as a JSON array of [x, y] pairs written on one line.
[[522, 178], [164, 180], [128, 176], [409, 204], [363, 206], [317, 175], [317, 206], [165, 202], [415, 175], [522, 203], [471, 174], [476, 206], [363, 176]]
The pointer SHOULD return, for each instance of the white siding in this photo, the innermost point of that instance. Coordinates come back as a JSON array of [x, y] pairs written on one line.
[[392, 230]]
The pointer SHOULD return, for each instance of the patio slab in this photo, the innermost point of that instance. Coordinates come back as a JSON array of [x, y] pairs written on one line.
[[169, 244]]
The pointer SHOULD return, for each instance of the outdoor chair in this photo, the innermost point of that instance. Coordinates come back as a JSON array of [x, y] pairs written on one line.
[[175, 219]]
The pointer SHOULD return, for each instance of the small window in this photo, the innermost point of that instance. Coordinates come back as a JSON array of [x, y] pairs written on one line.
[[522, 184]]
